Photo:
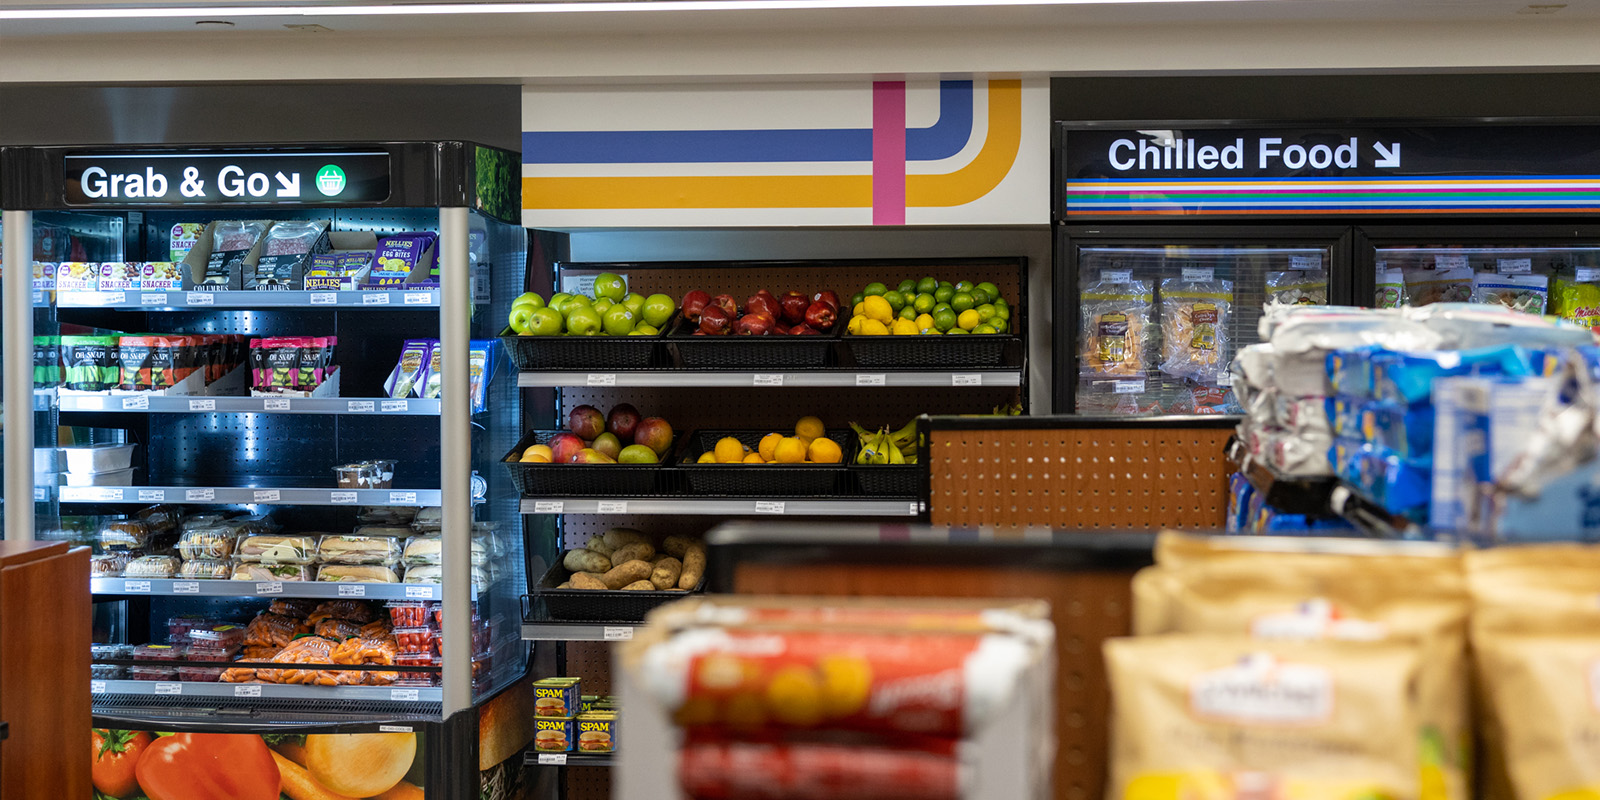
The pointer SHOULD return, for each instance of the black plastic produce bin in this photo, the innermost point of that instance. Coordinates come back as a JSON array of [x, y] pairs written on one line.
[[589, 480], [762, 480]]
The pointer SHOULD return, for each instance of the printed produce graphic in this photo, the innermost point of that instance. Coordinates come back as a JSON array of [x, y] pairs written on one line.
[[144, 765]]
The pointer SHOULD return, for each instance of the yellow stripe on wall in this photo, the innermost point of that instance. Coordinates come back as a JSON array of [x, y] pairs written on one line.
[[989, 167]]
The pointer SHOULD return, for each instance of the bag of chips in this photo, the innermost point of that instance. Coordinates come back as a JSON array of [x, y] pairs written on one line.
[[1194, 328], [1115, 329]]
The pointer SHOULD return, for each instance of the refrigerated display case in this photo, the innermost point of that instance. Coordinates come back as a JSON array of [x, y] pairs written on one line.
[[1148, 318], [273, 384]]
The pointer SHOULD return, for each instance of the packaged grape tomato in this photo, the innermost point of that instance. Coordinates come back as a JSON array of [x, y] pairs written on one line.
[[1194, 328], [1115, 328]]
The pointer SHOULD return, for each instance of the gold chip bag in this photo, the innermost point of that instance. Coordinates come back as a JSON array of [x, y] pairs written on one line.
[[1115, 324], [1194, 328]]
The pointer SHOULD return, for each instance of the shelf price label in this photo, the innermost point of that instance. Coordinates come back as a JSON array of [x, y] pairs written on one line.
[[394, 406], [418, 298], [269, 587], [342, 498], [199, 495], [97, 687], [375, 299], [619, 633], [1198, 273], [1305, 262], [966, 380], [872, 380], [402, 498], [275, 404], [247, 690], [202, 405], [168, 688], [352, 590], [1514, 266], [549, 506], [1128, 387], [153, 299], [424, 592], [113, 298], [611, 507], [1450, 261], [553, 759], [406, 695], [361, 406], [136, 587], [267, 495], [770, 506], [201, 299], [602, 379], [760, 379], [394, 729], [152, 495], [185, 587], [40, 494], [106, 495], [324, 298]]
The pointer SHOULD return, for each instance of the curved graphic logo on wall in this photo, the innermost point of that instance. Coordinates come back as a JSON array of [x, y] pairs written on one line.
[[330, 180], [1261, 689], [952, 151]]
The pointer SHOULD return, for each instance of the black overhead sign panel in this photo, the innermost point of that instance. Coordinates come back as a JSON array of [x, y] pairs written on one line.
[[233, 177]]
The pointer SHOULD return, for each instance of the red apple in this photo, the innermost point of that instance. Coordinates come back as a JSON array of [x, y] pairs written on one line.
[[827, 296], [780, 329], [586, 422], [804, 330], [713, 320], [725, 302], [820, 315], [563, 446], [757, 324], [762, 303], [621, 421], [654, 433], [693, 303], [589, 455], [698, 332], [794, 306]]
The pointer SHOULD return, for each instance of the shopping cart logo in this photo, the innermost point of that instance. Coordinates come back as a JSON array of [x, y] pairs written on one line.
[[330, 180]]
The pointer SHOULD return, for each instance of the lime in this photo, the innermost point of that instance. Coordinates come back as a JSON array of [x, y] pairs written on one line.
[[1000, 304], [984, 329], [968, 319], [927, 286], [944, 320], [907, 286], [961, 301], [979, 297], [943, 284], [964, 286], [874, 289], [989, 289], [943, 294], [610, 286], [924, 303], [958, 330], [855, 299], [907, 313], [998, 324], [943, 307], [896, 300], [985, 312], [930, 331]]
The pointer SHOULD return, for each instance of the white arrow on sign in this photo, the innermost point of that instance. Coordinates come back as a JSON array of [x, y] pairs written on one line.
[[291, 185], [1387, 157]]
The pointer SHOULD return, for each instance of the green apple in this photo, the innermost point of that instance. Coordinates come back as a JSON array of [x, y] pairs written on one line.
[[646, 329], [618, 320], [522, 319], [558, 301], [546, 322], [610, 286], [657, 309], [528, 298], [583, 320], [634, 301], [603, 305]]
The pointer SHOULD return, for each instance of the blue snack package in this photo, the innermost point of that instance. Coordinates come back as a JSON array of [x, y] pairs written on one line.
[[400, 255], [1344, 417], [1405, 430], [1408, 378], [1350, 371], [1239, 493]]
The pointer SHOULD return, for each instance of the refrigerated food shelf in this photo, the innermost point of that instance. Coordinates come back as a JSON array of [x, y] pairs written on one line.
[[174, 299], [538, 630], [774, 379], [378, 406], [231, 495], [267, 691], [221, 588], [727, 506], [534, 758]]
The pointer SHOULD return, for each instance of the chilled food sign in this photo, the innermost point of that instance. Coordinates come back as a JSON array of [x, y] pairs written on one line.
[[1174, 170], [225, 178]]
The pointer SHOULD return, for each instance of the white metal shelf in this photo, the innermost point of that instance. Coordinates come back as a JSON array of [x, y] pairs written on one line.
[[727, 506], [553, 631], [178, 299], [774, 379], [227, 588], [267, 691], [230, 495], [380, 406]]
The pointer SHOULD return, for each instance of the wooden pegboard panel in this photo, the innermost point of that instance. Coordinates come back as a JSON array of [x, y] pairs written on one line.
[[1086, 607], [1111, 479]]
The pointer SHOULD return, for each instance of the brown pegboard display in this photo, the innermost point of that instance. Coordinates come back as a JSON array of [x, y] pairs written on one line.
[[588, 783], [1086, 607], [1110, 479]]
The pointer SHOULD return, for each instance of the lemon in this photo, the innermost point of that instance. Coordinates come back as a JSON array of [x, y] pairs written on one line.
[[873, 327], [859, 309], [790, 450], [824, 451], [729, 450], [968, 319], [903, 327], [809, 428], [924, 322], [875, 307], [854, 328]]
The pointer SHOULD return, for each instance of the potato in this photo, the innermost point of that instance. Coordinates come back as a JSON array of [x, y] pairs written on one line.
[[665, 575], [565, 585], [638, 551], [598, 544], [617, 537], [676, 546], [627, 572], [694, 566], [584, 580], [639, 586], [586, 561]]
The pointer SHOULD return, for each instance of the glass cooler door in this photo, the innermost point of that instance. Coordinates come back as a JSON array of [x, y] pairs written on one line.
[[1153, 327], [1562, 280]]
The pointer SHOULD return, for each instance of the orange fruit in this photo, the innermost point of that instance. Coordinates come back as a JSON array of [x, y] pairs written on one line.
[[754, 458], [824, 451], [808, 428], [768, 444], [789, 451], [538, 453], [729, 450]]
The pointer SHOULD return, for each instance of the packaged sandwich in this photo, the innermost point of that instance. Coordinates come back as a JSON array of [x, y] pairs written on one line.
[[1115, 328], [125, 534], [428, 520], [1194, 327], [430, 574], [423, 550], [350, 549], [278, 549], [270, 571], [369, 573], [1525, 293], [209, 543], [206, 568], [151, 567], [406, 378]]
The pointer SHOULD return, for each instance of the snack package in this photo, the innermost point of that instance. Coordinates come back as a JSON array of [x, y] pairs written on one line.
[[182, 239], [398, 256], [1194, 328], [44, 276], [231, 243], [1296, 288], [1391, 291], [78, 276], [1577, 300], [119, 276], [1429, 286], [360, 612], [432, 382], [149, 363], [1408, 377], [287, 253], [344, 271], [795, 767], [1115, 328], [90, 363], [213, 543], [160, 276], [406, 378], [1525, 293], [1235, 717]]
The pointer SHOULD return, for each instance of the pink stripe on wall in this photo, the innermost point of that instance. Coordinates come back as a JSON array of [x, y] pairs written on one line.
[[889, 153]]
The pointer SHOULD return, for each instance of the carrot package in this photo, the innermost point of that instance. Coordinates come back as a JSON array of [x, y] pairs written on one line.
[[1227, 717], [1194, 328], [1115, 327]]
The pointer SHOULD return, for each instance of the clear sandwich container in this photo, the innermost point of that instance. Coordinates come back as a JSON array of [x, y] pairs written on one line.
[[277, 549], [354, 549], [152, 567]]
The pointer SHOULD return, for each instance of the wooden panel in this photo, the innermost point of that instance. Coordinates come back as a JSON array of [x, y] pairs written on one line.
[[1086, 607], [1126, 479], [44, 672]]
